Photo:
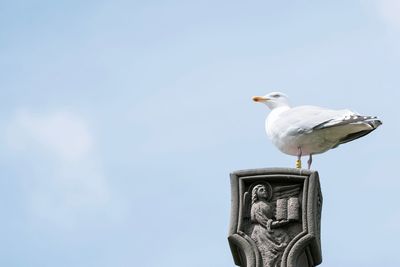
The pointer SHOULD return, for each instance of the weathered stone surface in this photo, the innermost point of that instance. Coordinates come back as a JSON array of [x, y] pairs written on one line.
[[275, 218]]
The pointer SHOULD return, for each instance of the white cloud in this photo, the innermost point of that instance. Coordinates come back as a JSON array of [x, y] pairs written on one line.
[[62, 133], [390, 11], [66, 182]]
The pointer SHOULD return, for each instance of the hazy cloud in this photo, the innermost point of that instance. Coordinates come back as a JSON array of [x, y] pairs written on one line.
[[62, 133], [390, 12], [71, 186]]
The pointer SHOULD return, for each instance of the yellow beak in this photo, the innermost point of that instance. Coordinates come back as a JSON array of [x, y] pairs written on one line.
[[260, 99]]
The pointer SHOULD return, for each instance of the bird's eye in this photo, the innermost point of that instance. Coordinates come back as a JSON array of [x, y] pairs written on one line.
[[276, 95]]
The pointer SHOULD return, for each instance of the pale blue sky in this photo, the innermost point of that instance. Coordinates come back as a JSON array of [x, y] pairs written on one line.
[[121, 121]]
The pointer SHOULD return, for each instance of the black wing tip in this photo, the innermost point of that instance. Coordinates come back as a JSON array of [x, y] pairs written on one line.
[[375, 123]]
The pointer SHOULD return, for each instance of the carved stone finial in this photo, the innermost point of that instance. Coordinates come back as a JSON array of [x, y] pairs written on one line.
[[275, 218]]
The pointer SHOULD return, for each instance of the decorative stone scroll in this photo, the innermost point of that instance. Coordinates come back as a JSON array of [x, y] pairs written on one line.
[[275, 218]]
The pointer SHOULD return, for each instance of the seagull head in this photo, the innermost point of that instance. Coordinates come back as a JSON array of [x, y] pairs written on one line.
[[273, 100]]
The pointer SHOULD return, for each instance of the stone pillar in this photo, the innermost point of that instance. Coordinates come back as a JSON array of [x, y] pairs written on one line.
[[275, 218]]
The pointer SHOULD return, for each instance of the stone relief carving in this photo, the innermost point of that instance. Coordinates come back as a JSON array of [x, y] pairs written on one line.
[[275, 218], [269, 219]]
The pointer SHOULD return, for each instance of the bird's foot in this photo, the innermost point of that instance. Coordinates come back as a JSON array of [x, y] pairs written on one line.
[[298, 164]]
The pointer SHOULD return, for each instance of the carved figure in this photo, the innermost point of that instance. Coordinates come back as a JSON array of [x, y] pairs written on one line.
[[270, 240], [275, 218]]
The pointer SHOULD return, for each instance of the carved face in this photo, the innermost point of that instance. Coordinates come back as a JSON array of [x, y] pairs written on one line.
[[262, 193]]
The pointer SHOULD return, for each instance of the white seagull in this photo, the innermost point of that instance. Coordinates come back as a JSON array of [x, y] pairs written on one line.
[[309, 130]]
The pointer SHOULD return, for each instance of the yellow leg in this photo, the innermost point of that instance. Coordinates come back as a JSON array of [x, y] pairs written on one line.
[[298, 164], [298, 161]]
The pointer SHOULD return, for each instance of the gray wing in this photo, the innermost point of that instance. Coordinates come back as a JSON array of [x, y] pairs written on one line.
[[342, 125], [305, 119]]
